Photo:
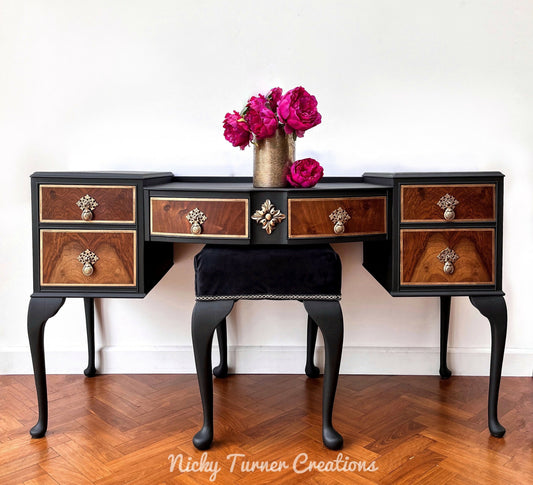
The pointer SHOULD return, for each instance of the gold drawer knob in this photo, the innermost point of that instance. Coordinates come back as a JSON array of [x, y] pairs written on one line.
[[87, 204], [196, 218], [448, 257], [447, 203], [87, 258], [268, 216], [339, 217]]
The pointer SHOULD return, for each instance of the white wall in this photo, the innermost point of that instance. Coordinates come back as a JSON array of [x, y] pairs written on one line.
[[144, 85]]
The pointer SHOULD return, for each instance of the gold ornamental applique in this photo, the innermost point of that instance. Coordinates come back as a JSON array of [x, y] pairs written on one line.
[[268, 216]]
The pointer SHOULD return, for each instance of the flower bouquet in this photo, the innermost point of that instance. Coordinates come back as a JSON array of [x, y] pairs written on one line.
[[272, 123]]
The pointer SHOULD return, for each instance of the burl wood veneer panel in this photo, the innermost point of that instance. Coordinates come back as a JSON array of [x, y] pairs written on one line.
[[476, 202], [116, 251], [419, 264], [310, 217], [226, 218], [115, 203]]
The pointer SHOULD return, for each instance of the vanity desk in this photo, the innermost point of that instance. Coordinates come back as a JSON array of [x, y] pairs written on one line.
[[111, 234]]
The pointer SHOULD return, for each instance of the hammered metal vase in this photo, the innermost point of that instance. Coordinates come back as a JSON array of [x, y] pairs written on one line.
[[272, 159]]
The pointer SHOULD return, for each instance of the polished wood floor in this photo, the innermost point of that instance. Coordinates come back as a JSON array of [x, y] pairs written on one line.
[[116, 429]]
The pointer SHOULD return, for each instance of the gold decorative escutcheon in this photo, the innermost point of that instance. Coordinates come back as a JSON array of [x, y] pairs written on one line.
[[268, 216], [87, 204], [339, 217], [448, 257], [447, 203], [87, 258], [196, 218]]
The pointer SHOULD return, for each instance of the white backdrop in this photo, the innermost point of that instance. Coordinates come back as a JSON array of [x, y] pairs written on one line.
[[144, 85]]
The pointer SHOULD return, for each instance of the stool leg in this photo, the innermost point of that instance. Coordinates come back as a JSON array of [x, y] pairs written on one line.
[[311, 370], [328, 317], [206, 316], [221, 370]]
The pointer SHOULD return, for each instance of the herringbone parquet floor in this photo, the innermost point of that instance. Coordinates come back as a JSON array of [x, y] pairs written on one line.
[[116, 429]]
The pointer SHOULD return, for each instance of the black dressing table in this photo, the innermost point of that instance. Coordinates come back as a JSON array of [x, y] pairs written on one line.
[[111, 234]]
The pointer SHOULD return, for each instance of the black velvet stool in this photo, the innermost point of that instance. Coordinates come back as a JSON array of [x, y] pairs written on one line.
[[225, 274]]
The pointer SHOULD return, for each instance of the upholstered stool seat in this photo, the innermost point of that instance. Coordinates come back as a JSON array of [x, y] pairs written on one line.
[[224, 274], [267, 272]]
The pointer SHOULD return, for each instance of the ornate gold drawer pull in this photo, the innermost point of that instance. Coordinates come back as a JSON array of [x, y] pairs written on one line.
[[87, 258], [87, 204], [268, 216], [448, 257], [339, 217], [196, 217], [447, 203]]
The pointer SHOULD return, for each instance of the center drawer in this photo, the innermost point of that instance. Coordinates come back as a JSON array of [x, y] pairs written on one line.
[[199, 217], [337, 217]]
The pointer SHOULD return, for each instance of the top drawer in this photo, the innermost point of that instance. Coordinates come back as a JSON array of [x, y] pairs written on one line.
[[87, 203], [446, 203]]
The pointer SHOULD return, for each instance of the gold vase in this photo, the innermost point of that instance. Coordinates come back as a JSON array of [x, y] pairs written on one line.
[[272, 159]]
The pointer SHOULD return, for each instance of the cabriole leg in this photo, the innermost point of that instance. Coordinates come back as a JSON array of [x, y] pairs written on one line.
[[328, 317], [495, 310], [39, 311], [206, 316], [445, 301], [90, 371]]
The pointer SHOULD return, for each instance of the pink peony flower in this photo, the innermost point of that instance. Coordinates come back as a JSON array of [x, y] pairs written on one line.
[[262, 124], [261, 119], [297, 109], [305, 173], [257, 103], [273, 98], [236, 130]]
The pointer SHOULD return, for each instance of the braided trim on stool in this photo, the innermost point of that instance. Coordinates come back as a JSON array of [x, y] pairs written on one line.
[[268, 297]]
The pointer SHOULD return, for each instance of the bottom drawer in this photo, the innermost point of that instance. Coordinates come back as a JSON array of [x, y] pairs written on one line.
[[447, 257], [88, 258]]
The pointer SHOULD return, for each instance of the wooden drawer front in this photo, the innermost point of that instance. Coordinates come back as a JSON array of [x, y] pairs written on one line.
[[115, 203], [476, 202], [116, 252], [225, 218], [420, 264], [309, 218]]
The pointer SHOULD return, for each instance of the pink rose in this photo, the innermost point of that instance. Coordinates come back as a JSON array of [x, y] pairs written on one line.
[[236, 130], [305, 173], [273, 97], [297, 109], [261, 120]]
